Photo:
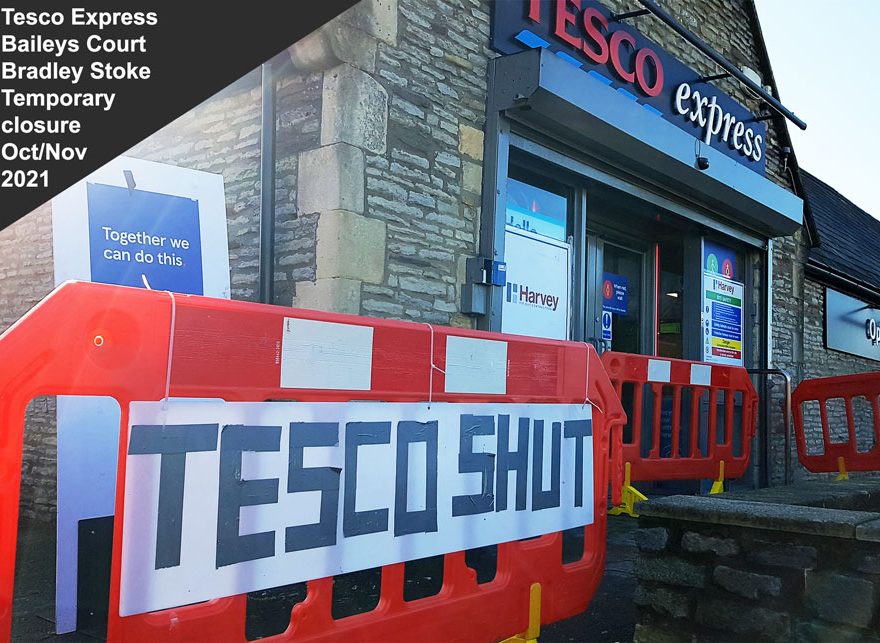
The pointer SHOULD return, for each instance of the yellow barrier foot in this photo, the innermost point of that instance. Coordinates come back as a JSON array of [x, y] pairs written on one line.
[[841, 470], [718, 485], [533, 631], [629, 496]]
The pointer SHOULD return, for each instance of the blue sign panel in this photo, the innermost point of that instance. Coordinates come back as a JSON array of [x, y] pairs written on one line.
[[607, 325], [135, 234], [719, 260], [615, 293], [617, 55]]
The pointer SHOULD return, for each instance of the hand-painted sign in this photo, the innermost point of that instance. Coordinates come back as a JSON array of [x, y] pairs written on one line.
[[722, 320], [585, 34], [227, 498], [615, 293]]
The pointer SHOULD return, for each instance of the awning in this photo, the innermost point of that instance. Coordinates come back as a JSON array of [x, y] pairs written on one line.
[[542, 90]]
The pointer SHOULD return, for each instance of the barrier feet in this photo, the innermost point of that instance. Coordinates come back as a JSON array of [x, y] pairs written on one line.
[[718, 485], [841, 469], [629, 496], [534, 629]]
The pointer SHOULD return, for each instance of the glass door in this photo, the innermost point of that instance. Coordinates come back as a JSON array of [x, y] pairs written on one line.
[[620, 307], [622, 288]]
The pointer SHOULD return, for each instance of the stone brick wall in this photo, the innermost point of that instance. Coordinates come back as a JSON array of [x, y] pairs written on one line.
[[798, 324], [395, 228], [26, 273], [222, 136], [724, 574]]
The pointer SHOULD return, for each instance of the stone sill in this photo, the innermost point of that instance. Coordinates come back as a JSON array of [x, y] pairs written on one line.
[[806, 509]]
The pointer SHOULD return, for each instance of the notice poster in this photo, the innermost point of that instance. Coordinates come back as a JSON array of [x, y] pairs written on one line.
[[136, 235], [722, 320], [538, 282], [615, 293]]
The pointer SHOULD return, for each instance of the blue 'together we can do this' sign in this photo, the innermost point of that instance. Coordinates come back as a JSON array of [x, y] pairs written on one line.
[[135, 234]]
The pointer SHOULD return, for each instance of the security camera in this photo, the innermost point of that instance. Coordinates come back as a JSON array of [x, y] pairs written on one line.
[[702, 162]]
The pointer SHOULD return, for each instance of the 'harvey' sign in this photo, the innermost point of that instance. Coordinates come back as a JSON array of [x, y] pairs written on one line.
[[227, 498]]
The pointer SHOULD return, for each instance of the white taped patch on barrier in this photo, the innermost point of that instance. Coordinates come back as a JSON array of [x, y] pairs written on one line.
[[476, 365], [701, 375], [326, 355], [659, 370]]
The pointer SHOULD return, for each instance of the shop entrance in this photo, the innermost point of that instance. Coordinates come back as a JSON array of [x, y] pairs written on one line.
[[645, 275], [619, 298], [636, 299]]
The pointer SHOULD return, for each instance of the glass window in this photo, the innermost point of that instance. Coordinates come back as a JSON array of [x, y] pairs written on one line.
[[536, 210], [670, 309]]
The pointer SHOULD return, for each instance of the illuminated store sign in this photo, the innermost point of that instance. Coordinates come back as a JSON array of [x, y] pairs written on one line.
[[583, 33]]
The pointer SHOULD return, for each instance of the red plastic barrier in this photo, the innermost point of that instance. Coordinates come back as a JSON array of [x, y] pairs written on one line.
[[93, 339], [846, 453], [717, 400]]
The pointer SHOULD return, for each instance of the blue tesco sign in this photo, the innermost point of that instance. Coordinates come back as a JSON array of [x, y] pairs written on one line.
[[135, 232]]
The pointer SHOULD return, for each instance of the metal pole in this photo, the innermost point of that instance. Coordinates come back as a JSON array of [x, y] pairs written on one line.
[[725, 64], [267, 186], [786, 412]]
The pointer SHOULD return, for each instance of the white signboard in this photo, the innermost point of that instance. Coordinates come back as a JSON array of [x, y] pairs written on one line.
[[536, 298], [259, 495], [722, 320], [128, 221]]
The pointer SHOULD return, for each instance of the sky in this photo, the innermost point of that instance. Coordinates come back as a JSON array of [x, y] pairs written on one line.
[[825, 60]]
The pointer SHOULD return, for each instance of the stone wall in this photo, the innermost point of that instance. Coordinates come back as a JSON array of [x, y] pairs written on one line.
[[222, 136], [798, 321], [402, 140], [716, 569]]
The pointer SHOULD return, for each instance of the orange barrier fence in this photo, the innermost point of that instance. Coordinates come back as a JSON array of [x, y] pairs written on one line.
[[842, 405], [138, 345], [687, 420]]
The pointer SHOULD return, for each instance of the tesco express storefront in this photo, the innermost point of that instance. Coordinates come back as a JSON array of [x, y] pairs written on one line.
[[626, 201]]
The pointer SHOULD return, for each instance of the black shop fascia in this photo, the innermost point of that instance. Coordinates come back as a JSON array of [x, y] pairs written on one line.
[[622, 181]]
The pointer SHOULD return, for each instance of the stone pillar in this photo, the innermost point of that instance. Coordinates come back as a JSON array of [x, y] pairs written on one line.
[[351, 246]]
